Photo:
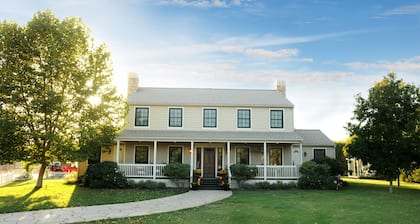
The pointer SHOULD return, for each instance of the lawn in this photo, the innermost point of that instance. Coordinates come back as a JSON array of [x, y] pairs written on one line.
[[363, 201], [21, 196]]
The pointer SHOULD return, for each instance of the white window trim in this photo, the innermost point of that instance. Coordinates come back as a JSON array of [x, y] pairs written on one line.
[[134, 119], [148, 154], [249, 153], [182, 152], [269, 119], [217, 118], [250, 119], [183, 117]]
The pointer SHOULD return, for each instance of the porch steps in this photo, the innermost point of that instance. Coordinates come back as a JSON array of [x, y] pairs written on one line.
[[209, 184]]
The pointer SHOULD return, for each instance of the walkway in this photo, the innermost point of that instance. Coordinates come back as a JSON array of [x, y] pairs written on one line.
[[98, 212]]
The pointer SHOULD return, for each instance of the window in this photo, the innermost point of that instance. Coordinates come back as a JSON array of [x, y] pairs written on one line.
[[276, 118], [244, 118], [142, 117], [209, 118], [274, 156], [175, 117], [142, 154], [319, 154], [175, 154], [242, 155]]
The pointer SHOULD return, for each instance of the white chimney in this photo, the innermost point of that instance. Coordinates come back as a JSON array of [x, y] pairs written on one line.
[[133, 83], [280, 86]]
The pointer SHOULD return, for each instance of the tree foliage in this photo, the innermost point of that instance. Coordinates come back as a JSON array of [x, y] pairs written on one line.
[[55, 92], [386, 127]]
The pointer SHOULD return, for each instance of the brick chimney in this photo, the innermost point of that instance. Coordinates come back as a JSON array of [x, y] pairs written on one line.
[[133, 83], [280, 86]]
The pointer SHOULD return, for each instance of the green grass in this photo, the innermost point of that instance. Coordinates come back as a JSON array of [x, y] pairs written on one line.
[[21, 195], [363, 201]]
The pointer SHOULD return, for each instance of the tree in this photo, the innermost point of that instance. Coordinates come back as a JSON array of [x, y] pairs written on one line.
[[386, 127], [55, 92]]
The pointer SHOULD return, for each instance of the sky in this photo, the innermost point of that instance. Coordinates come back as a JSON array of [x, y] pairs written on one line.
[[325, 51]]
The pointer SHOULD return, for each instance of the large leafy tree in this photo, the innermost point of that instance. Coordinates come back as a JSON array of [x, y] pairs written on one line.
[[386, 127], [57, 101]]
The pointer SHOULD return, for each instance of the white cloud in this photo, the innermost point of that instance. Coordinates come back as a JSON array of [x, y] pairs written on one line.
[[404, 65], [203, 3], [403, 10], [262, 53]]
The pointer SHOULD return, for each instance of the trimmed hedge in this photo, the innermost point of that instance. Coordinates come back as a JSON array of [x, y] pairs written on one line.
[[105, 175], [316, 176]]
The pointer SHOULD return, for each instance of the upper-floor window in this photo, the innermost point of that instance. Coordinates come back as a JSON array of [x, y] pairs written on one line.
[[276, 118], [175, 154], [175, 117], [142, 117], [209, 118], [319, 154], [244, 118]]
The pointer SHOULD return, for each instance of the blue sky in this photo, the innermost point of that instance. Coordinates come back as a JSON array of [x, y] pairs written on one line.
[[325, 51]]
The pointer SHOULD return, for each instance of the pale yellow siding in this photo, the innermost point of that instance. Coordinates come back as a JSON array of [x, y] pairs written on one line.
[[226, 118]]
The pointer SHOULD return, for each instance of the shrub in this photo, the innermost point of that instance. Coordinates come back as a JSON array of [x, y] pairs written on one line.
[[105, 175], [335, 167], [316, 176], [176, 172], [148, 184], [411, 176], [243, 172]]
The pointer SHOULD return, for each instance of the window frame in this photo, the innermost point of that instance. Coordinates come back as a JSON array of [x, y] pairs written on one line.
[[215, 118], [249, 154], [135, 153], [317, 149], [170, 118], [281, 156], [135, 117], [169, 153], [271, 119], [238, 118]]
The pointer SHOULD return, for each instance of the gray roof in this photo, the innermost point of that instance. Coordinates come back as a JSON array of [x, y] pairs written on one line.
[[208, 97], [208, 136], [314, 138]]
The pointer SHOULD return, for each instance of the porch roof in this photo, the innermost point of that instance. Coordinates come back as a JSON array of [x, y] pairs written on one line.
[[209, 136]]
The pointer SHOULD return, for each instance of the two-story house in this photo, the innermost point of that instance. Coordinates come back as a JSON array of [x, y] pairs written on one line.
[[211, 129]]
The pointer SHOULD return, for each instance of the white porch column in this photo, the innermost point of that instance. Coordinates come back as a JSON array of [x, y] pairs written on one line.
[[301, 159], [154, 158], [117, 154], [228, 163], [192, 162], [265, 160]]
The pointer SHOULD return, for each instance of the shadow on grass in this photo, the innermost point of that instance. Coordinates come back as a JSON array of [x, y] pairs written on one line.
[[26, 202]]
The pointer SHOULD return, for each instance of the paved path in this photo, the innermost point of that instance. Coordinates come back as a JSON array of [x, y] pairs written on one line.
[[98, 212]]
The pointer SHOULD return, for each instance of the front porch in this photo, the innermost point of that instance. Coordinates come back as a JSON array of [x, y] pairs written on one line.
[[146, 159]]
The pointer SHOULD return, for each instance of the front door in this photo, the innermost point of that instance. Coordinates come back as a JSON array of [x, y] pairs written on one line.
[[209, 162]]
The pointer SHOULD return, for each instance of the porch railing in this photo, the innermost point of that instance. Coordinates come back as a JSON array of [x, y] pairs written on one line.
[[279, 172], [146, 171], [141, 170]]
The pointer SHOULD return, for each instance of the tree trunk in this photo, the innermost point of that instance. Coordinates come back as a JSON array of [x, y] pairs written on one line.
[[398, 181], [40, 176], [390, 186]]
